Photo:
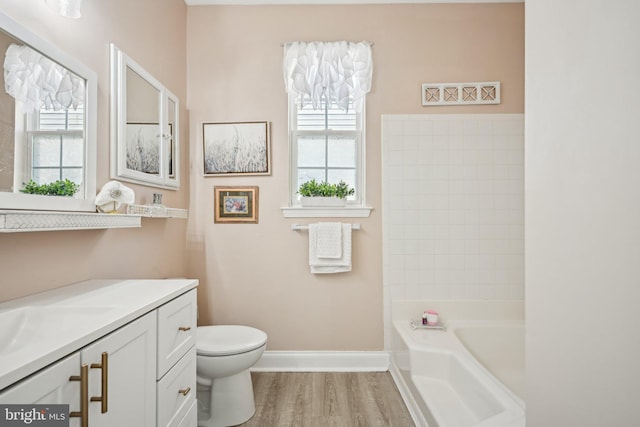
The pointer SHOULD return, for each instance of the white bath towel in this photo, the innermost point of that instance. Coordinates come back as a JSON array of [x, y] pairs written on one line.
[[325, 265], [329, 240]]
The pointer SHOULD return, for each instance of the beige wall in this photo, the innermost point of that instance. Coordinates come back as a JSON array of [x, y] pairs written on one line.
[[258, 274], [153, 33], [582, 213]]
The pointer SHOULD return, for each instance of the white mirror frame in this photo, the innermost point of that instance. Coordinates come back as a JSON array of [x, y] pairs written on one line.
[[119, 64], [85, 202]]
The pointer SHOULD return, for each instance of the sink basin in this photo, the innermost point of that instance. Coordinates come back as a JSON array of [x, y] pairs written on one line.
[[21, 327], [10, 325]]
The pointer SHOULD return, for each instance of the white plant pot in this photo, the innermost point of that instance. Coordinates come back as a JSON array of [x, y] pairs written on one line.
[[323, 202]]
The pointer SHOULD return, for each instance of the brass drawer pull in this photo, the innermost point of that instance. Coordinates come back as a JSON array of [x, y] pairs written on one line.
[[83, 414], [104, 366], [184, 391], [184, 328]]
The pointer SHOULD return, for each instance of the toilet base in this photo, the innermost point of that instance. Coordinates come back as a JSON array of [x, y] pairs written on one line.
[[226, 401]]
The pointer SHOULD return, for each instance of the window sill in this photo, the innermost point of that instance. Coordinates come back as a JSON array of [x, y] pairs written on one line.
[[328, 212]]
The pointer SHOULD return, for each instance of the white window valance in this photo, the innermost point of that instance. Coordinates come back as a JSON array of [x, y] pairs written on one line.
[[36, 81], [341, 71]]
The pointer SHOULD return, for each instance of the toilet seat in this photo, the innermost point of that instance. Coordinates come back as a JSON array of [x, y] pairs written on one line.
[[225, 340]]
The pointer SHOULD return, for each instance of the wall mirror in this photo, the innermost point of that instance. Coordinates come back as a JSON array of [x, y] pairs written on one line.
[[144, 126], [48, 107]]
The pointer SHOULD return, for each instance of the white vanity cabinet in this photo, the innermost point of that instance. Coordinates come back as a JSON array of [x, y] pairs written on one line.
[[139, 374], [115, 372]]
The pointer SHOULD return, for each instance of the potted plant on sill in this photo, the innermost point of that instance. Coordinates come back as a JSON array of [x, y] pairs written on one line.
[[65, 188], [324, 194]]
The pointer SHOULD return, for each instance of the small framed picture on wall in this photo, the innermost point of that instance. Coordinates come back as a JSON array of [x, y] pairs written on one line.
[[235, 205]]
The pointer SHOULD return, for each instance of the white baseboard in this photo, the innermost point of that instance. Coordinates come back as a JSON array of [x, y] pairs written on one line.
[[323, 361]]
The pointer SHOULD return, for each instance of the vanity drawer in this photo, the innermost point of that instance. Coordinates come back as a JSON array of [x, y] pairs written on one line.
[[176, 330], [177, 392], [191, 419]]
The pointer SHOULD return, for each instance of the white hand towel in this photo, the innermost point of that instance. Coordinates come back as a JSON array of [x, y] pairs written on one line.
[[329, 243], [329, 265]]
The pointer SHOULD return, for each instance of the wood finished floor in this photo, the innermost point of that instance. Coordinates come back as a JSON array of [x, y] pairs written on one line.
[[327, 399]]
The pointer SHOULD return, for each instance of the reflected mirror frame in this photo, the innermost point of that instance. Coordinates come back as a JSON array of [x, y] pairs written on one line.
[[19, 201], [167, 177]]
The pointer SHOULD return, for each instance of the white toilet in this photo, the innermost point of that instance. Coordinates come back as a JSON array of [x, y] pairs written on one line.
[[224, 355]]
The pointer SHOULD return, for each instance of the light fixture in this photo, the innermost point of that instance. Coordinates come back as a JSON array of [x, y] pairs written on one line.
[[68, 8]]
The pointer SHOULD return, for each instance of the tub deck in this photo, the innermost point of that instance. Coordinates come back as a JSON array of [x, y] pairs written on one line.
[[445, 386]]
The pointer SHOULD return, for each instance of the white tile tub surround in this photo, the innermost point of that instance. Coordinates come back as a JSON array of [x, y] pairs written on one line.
[[453, 207], [459, 310]]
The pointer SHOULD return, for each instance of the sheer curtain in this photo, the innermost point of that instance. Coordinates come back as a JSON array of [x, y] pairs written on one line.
[[338, 70], [37, 81]]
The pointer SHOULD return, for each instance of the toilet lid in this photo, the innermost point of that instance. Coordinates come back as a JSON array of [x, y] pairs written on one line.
[[221, 340]]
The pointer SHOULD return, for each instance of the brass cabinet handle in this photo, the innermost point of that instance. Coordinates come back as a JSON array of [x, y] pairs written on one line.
[[184, 391], [84, 396], [184, 328], [104, 366]]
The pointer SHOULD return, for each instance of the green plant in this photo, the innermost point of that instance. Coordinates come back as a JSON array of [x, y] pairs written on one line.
[[56, 188], [323, 189]]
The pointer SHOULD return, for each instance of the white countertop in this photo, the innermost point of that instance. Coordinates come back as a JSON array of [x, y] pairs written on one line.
[[39, 329]]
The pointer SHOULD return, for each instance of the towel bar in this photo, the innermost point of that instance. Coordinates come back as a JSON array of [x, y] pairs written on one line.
[[297, 227]]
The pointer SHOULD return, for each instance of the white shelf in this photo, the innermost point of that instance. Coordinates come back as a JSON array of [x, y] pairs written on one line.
[[24, 221], [151, 211]]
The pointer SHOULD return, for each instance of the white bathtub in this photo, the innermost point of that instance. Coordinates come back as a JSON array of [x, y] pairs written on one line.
[[499, 347], [447, 384]]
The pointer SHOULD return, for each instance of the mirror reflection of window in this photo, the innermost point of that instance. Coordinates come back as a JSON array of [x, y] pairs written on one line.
[[48, 124], [57, 147], [44, 137]]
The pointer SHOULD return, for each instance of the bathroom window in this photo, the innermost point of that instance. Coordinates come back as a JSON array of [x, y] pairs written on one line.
[[327, 84], [327, 144], [55, 145]]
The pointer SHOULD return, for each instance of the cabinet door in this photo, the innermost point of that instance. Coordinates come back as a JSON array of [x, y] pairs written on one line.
[[128, 382], [52, 385]]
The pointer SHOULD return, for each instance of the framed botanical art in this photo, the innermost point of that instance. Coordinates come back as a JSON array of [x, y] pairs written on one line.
[[240, 148], [235, 205]]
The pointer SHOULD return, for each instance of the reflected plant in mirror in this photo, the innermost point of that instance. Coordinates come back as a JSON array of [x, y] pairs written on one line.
[[55, 188], [47, 125]]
